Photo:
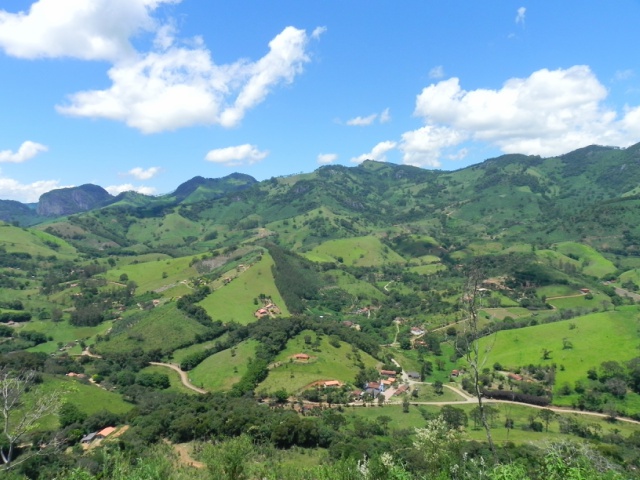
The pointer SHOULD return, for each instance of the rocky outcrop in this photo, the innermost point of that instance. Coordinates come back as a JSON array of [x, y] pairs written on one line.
[[67, 201]]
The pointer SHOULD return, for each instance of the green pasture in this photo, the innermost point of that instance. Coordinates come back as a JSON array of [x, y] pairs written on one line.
[[221, 371], [581, 301], [518, 413], [63, 332], [594, 263], [235, 300], [155, 274], [15, 239], [352, 285], [360, 251], [428, 269], [88, 398], [596, 338], [327, 363], [630, 275], [502, 313], [551, 291], [164, 327], [174, 379]]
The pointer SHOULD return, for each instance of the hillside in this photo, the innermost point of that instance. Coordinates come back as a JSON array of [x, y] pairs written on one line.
[[262, 292]]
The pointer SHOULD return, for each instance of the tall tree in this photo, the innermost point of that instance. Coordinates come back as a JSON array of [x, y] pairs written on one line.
[[22, 408]]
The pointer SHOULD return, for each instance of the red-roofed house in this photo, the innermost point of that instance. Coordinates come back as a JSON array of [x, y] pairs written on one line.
[[301, 356], [105, 432]]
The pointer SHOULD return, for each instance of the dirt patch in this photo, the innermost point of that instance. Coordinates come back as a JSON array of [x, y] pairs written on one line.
[[184, 455]]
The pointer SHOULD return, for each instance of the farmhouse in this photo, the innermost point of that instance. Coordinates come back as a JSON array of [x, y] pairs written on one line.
[[414, 375], [388, 373], [105, 432], [88, 438], [301, 357], [417, 331], [401, 389], [332, 383]]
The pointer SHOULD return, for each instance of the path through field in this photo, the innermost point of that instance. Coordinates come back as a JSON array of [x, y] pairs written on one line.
[[183, 376]]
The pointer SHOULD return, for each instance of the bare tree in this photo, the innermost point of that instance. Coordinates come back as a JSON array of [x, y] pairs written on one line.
[[22, 409], [470, 346]]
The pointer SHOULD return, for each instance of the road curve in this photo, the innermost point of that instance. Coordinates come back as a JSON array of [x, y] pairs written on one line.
[[183, 376]]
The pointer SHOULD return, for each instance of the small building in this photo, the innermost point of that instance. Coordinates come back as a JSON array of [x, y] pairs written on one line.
[[585, 290], [455, 373], [301, 356], [88, 438], [401, 389], [388, 373], [105, 432], [515, 376], [417, 331], [414, 375], [332, 383]]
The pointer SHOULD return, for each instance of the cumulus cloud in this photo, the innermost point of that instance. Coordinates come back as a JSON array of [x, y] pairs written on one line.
[[379, 152], [11, 189], [239, 155], [437, 72], [327, 158], [181, 86], [382, 117], [520, 15], [25, 152], [174, 85], [142, 174], [548, 113], [84, 29], [128, 187]]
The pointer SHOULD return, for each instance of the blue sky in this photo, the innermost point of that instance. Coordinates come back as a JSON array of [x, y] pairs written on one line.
[[145, 94]]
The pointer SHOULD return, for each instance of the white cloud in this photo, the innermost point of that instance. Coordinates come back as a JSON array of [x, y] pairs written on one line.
[[363, 121], [520, 15], [142, 174], [549, 113], [181, 87], [239, 155], [128, 187], [327, 158], [437, 72], [84, 29], [385, 116], [382, 117], [11, 189], [317, 32], [27, 151], [378, 153]]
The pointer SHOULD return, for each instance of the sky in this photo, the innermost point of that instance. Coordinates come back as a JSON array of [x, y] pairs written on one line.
[[145, 94]]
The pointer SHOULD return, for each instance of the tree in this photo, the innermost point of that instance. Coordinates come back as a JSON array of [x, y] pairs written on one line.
[[546, 415], [546, 354], [471, 297], [22, 409], [438, 387]]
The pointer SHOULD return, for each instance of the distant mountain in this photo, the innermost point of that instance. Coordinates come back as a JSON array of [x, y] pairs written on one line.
[[20, 213], [200, 188], [67, 201]]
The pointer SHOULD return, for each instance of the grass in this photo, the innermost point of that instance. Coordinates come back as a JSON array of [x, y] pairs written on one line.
[[596, 338], [174, 379], [63, 332], [235, 300], [355, 287], [519, 413], [327, 363], [360, 251], [165, 328], [594, 263], [178, 355], [32, 241], [156, 274], [221, 371]]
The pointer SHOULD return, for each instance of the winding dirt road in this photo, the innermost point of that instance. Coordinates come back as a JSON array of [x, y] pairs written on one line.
[[183, 376]]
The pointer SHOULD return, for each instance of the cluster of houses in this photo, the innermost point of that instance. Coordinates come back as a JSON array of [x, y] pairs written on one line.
[[99, 435], [269, 310]]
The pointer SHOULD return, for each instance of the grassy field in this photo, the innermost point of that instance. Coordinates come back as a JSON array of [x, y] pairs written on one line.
[[235, 300], [178, 355], [328, 363], [355, 287], [88, 398], [63, 332], [428, 269], [360, 251], [174, 378], [155, 274], [596, 338], [165, 328], [518, 413], [220, 371], [34, 242], [594, 263]]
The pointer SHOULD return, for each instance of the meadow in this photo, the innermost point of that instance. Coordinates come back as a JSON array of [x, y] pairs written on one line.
[[222, 370], [236, 300], [596, 338], [155, 274], [327, 363], [593, 262], [360, 251]]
